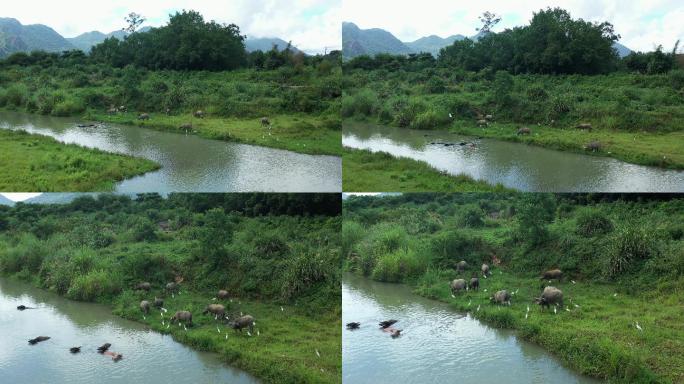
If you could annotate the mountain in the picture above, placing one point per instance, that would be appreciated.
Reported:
(56, 198)
(87, 40)
(266, 43)
(357, 41)
(432, 43)
(15, 37)
(6, 201)
(621, 49)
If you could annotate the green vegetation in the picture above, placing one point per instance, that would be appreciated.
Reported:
(270, 251)
(41, 164)
(621, 256)
(367, 171)
(572, 77)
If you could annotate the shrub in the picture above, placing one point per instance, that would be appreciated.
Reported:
(95, 285)
(591, 222)
(472, 217)
(628, 248)
(397, 266)
(430, 119)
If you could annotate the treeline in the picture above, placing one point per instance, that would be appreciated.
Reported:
(553, 43)
(187, 42)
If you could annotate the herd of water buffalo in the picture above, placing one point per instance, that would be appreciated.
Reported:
(550, 296)
(185, 317)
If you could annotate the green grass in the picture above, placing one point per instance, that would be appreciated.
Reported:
(661, 150)
(298, 133)
(283, 350)
(365, 171)
(38, 163)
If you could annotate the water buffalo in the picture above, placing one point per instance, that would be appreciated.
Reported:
(75, 349)
(145, 306)
(112, 111)
(38, 339)
(353, 325)
(489, 117)
(265, 122)
(461, 266)
(199, 114)
(501, 297)
(458, 285)
(387, 323)
(115, 356)
(216, 309)
(593, 146)
(584, 127)
(524, 131)
(182, 316)
(474, 283)
(246, 321)
(393, 332)
(186, 127)
(23, 307)
(143, 116)
(171, 287)
(222, 294)
(485, 269)
(552, 274)
(550, 296)
(145, 286)
(104, 347)
(482, 123)
(158, 303)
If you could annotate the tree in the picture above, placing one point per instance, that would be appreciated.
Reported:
(134, 21)
(489, 20)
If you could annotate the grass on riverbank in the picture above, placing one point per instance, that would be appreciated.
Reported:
(664, 150)
(621, 256)
(35, 163)
(298, 133)
(285, 347)
(365, 171)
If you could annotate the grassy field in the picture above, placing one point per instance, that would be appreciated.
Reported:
(621, 257)
(635, 117)
(365, 171)
(281, 269)
(298, 133)
(41, 164)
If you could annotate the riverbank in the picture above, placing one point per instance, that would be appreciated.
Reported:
(297, 133)
(41, 164)
(620, 259)
(664, 150)
(366, 171)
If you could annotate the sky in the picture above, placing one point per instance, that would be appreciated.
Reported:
(312, 25)
(643, 24)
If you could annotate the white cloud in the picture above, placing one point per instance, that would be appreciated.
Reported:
(312, 25)
(641, 23)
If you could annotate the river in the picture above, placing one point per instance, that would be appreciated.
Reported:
(189, 162)
(148, 356)
(515, 165)
(438, 345)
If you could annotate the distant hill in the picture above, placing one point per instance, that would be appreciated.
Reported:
(6, 201)
(357, 41)
(87, 40)
(56, 198)
(622, 50)
(15, 37)
(432, 43)
(266, 44)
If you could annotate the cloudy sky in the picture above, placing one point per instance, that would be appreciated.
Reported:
(642, 24)
(312, 25)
